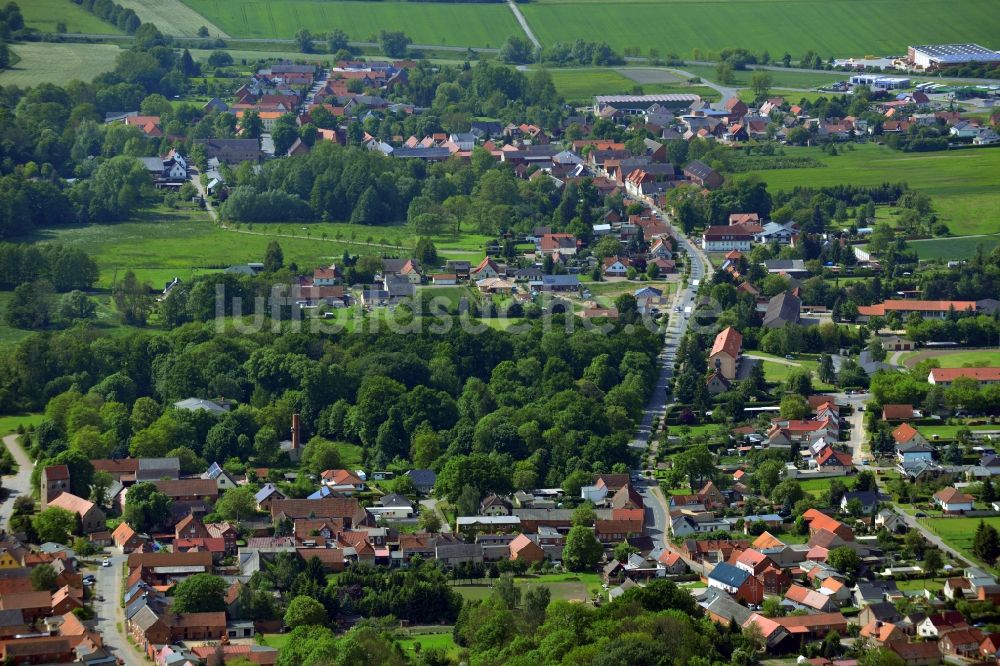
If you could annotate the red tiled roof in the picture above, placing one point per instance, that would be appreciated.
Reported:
(978, 374)
(728, 341)
(952, 495)
(897, 412)
(57, 472)
(904, 433)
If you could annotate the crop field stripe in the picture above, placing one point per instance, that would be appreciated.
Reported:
(831, 29)
(452, 24)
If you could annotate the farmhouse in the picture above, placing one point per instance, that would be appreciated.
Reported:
(724, 238)
(952, 500)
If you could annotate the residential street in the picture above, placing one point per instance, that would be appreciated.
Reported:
(18, 484)
(110, 615)
(659, 526)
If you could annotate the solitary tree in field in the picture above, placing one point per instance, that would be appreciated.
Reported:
(761, 83)
(304, 40)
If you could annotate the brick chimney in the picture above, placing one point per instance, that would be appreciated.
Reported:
(295, 431)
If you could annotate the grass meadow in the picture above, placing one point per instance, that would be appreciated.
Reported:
(964, 184)
(45, 14)
(780, 79)
(958, 532)
(43, 62)
(796, 26)
(484, 25)
(956, 248)
(9, 424)
(183, 243)
(432, 640)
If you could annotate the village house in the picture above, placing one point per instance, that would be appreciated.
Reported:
(92, 519)
(952, 500)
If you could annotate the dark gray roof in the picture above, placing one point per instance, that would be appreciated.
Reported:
(452, 550)
(729, 575)
(782, 309)
(422, 477)
(11, 618)
(561, 280)
(699, 169)
(422, 153)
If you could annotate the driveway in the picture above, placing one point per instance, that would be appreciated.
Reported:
(19, 483)
(431, 504)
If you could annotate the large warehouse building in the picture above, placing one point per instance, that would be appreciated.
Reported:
(935, 56)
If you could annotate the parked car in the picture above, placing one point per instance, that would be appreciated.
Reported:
(106, 562)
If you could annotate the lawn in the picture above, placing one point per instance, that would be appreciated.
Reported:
(777, 371)
(970, 357)
(9, 424)
(441, 640)
(789, 79)
(965, 185)
(796, 26)
(44, 62)
(952, 358)
(918, 584)
(274, 640)
(579, 86)
(45, 14)
(483, 25)
(564, 587)
(172, 17)
(949, 431)
(184, 243)
(820, 487)
(958, 532)
(955, 248)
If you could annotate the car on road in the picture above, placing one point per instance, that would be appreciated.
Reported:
(106, 562)
(89, 579)
(920, 514)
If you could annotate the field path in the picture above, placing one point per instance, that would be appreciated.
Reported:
(524, 23)
(727, 92)
(172, 17)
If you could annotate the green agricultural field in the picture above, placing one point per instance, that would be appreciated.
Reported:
(45, 14)
(43, 62)
(955, 248)
(964, 184)
(484, 25)
(172, 17)
(796, 26)
(958, 532)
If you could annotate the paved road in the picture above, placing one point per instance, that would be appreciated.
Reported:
(19, 483)
(857, 437)
(524, 23)
(727, 92)
(857, 421)
(773, 359)
(110, 616)
(659, 526)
